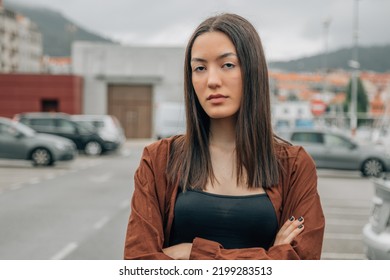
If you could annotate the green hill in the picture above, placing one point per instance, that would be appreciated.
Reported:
(375, 58)
(57, 31)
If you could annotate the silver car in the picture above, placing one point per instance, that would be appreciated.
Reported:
(18, 141)
(376, 233)
(335, 150)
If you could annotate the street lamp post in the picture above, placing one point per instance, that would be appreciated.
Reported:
(326, 24)
(354, 63)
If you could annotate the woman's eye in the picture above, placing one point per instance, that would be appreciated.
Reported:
(228, 65)
(199, 69)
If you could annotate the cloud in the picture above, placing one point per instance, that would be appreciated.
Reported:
(289, 29)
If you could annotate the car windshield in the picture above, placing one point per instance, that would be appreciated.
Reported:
(86, 127)
(100, 125)
(24, 129)
(97, 124)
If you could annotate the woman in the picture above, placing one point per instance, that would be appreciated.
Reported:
(228, 188)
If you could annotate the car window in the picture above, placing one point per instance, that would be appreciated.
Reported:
(24, 129)
(6, 130)
(40, 122)
(98, 124)
(85, 127)
(307, 137)
(337, 141)
(65, 126)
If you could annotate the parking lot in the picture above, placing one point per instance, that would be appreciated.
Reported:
(79, 209)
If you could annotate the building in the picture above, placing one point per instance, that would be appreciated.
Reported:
(291, 114)
(332, 89)
(40, 93)
(57, 65)
(20, 43)
(129, 82)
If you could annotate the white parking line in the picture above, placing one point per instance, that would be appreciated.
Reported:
(348, 211)
(34, 181)
(101, 178)
(50, 176)
(15, 187)
(345, 222)
(126, 153)
(65, 251)
(343, 236)
(99, 224)
(343, 256)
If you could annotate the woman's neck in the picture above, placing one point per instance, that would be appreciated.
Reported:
(223, 133)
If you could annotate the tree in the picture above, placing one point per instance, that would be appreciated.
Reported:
(362, 98)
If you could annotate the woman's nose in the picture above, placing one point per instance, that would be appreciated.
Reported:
(214, 79)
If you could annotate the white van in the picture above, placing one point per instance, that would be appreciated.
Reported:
(170, 119)
(107, 126)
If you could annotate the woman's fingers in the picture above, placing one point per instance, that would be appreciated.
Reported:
(290, 229)
(287, 223)
(290, 237)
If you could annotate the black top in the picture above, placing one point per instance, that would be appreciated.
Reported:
(233, 221)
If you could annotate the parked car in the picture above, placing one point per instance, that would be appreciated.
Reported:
(18, 141)
(60, 124)
(376, 233)
(335, 150)
(108, 127)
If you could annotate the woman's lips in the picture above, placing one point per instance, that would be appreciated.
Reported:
(216, 98)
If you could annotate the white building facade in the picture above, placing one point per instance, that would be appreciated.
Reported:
(129, 82)
(20, 44)
(290, 114)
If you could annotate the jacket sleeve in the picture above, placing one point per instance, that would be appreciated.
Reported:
(203, 249)
(145, 238)
(301, 199)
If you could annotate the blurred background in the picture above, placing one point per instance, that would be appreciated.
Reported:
(85, 85)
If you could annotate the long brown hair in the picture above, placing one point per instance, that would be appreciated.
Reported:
(189, 160)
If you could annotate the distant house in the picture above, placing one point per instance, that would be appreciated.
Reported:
(292, 114)
(20, 43)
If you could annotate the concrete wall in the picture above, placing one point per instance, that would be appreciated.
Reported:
(101, 64)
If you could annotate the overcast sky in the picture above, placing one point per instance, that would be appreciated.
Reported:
(289, 28)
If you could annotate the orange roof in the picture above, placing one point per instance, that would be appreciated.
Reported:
(59, 60)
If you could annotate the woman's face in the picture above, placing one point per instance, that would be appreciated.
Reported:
(216, 75)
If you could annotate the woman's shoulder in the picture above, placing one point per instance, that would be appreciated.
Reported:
(288, 153)
(163, 146)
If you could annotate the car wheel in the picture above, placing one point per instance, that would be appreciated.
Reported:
(93, 148)
(372, 167)
(41, 157)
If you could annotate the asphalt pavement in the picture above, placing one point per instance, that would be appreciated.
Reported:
(79, 210)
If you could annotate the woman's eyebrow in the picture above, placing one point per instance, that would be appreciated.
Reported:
(224, 55)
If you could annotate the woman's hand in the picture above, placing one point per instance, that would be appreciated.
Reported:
(291, 229)
(180, 251)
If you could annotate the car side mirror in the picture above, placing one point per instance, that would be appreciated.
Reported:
(353, 146)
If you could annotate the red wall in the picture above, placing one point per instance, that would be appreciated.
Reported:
(23, 93)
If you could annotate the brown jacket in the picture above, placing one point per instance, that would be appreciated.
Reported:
(152, 210)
